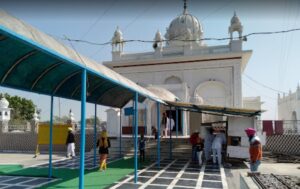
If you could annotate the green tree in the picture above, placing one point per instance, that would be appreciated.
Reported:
(22, 108)
(63, 119)
(91, 120)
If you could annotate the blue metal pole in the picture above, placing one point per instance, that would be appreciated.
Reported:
(120, 135)
(176, 122)
(50, 139)
(95, 136)
(135, 137)
(82, 129)
(158, 131)
(170, 125)
(182, 121)
(145, 120)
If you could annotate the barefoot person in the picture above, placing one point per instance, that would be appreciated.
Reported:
(70, 142)
(103, 143)
(255, 149)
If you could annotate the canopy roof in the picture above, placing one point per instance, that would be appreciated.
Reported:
(217, 110)
(35, 62)
(163, 93)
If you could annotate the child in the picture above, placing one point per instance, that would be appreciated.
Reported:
(142, 147)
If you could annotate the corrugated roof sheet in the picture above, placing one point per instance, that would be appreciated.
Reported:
(218, 110)
(33, 61)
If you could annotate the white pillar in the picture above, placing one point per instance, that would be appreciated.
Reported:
(113, 121)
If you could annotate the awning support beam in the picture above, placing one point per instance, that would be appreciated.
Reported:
(82, 128)
(135, 136)
(158, 133)
(50, 139)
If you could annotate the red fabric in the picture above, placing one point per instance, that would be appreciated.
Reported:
(278, 127)
(255, 151)
(268, 127)
(250, 131)
(194, 138)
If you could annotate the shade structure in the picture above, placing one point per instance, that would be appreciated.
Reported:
(163, 93)
(35, 62)
(217, 110)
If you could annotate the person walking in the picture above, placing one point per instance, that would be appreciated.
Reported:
(142, 144)
(194, 139)
(208, 140)
(170, 125)
(217, 145)
(255, 149)
(70, 142)
(163, 124)
(103, 143)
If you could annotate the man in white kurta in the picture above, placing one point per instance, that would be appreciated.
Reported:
(170, 125)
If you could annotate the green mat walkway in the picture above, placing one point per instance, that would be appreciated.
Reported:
(69, 178)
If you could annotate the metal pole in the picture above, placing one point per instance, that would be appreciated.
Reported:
(176, 122)
(135, 137)
(82, 129)
(158, 132)
(95, 136)
(50, 138)
(145, 120)
(170, 125)
(182, 121)
(120, 136)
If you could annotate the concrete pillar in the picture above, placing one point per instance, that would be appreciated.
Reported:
(3, 126)
(113, 121)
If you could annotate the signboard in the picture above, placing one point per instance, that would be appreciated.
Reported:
(128, 111)
(60, 133)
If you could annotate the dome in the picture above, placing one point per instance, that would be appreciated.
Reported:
(185, 27)
(235, 20)
(118, 36)
(4, 103)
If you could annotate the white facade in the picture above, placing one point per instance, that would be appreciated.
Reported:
(193, 71)
(289, 107)
(4, 110)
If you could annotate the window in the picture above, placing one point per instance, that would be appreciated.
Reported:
(0, 113)
(6, 113)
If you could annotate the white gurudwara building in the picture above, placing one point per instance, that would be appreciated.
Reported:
(289, 108)
(4, 110)
(184, 65)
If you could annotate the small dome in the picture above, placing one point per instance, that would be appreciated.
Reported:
(158, 37)
(4, 103)
(35, 116)
(118, 36)
(198, 100)
(184, 27)
(235, 20)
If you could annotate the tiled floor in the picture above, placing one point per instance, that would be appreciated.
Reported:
(73, 163)
(177, 174)
(18, 182)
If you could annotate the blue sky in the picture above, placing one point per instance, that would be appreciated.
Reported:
(274, 63)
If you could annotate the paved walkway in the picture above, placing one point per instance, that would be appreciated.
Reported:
(19, 182)
(177, 174)
(74, 163)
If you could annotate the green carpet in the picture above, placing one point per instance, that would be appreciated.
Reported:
(69, 178)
